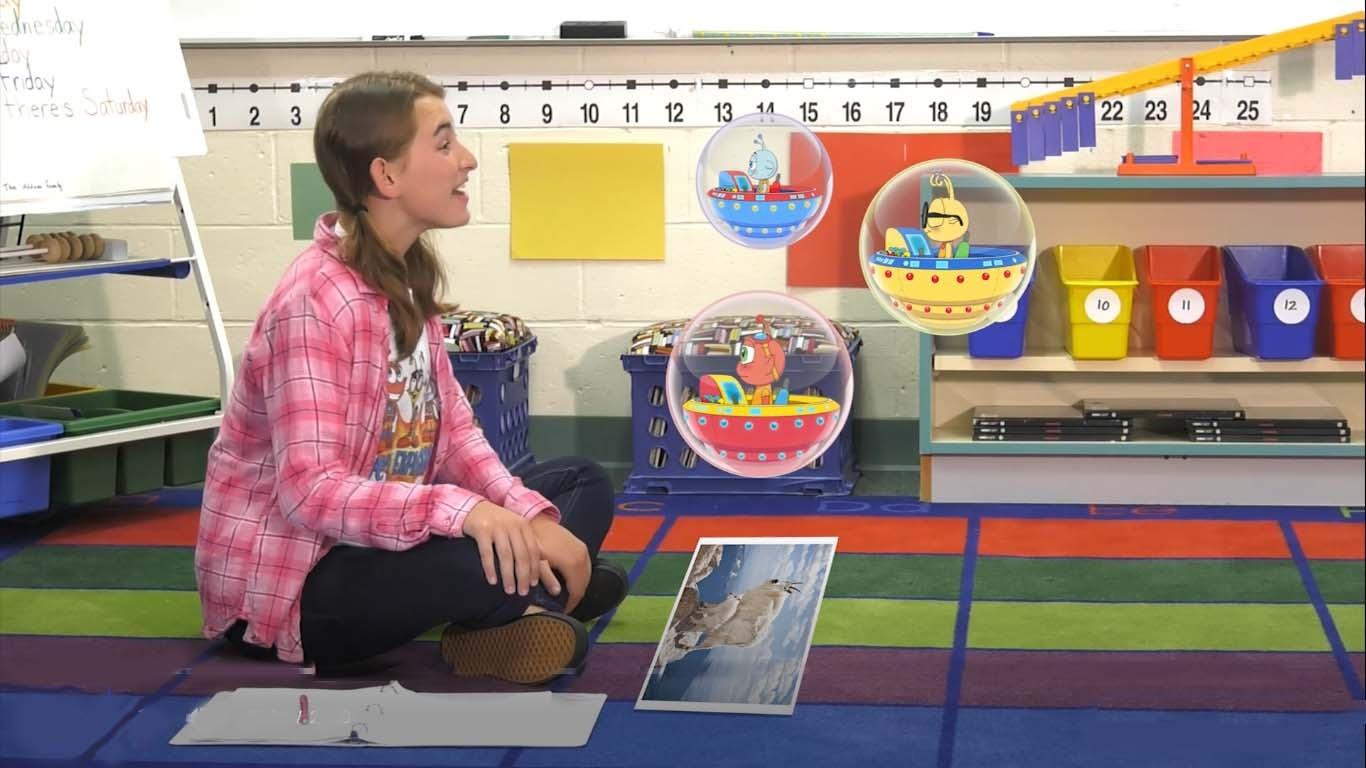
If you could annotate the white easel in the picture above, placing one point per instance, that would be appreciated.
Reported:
(97, 111)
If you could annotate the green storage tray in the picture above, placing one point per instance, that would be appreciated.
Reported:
(142, 467)
(95, 474)
(79, 477)
(187, 457)
(104, 409)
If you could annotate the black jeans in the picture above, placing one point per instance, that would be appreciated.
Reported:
(360, 602)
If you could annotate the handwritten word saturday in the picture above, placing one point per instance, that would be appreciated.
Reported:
(91, 104)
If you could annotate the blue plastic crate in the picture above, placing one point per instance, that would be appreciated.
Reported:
(24, 484)
(1003, 338)
(1273, 296)
(498, 385)
(662, 462)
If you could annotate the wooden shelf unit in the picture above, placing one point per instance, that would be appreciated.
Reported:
(1140, 211)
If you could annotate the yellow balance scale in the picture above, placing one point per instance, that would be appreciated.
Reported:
(945, 295)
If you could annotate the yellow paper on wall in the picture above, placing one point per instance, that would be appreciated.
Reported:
(587, 201)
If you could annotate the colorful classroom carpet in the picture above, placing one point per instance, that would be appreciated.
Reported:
(950, 635)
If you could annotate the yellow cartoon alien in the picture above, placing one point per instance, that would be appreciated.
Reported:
(945, 220)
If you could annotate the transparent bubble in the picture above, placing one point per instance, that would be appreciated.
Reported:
(764, 180)
(760, 384)
(948, 247)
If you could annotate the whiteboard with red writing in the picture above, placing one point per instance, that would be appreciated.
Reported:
(94, 99)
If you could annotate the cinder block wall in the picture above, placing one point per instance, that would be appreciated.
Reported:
(148, 333)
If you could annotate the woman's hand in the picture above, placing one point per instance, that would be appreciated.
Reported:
(507, 533)
(565, 553)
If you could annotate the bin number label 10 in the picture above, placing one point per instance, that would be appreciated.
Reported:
(1102, 306)
(1292, 306)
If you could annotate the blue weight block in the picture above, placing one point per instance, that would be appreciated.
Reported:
(1019, 138)
(1086, 120)
(1068, 118)
(1052, 122)
(1035, 127)
(1343, 63)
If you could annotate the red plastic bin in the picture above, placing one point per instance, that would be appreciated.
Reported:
(1341, 330)
(1183, 284)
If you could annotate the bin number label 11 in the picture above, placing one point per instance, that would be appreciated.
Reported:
(1292, 306)
(1186, 306)
(1102, 306)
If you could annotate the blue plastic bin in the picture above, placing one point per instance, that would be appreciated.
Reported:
(24, 483)
(662, 462)
(1273, 295)
(498, 385)
(1003, 338)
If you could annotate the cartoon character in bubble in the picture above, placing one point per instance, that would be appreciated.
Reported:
(945, 220)
(763, 167)
(762, 360)
(761, 363)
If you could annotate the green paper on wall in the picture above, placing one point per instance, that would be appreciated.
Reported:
(587, 201)
(309, 198)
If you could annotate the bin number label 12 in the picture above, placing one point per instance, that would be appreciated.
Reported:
(1292, 306)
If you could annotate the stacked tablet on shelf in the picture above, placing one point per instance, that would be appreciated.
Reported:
(1158, 410)
(1193, 419)
(1043, 422)
(1225, 420)
(1307, 424)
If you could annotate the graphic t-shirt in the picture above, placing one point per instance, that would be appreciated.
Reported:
(411, 418)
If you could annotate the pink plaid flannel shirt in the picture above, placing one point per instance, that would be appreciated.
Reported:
(288, 476)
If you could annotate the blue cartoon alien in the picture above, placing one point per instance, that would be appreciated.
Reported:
(763, 167)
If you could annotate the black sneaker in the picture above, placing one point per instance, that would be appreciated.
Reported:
(607, 587)
(531, 649)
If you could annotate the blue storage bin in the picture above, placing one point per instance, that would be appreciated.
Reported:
(24, 484)
(498, 385)
(1273, 295)
(662, 462)
(1003, 338)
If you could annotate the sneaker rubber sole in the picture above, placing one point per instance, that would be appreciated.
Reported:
(531, 649)
(607, 587)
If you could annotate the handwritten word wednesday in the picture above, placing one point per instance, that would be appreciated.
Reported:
(12, 25)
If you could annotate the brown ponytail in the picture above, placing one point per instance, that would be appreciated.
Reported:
(372, 115)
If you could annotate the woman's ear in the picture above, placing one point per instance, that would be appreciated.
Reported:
(383, 178)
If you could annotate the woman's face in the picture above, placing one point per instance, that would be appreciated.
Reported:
(434, 169)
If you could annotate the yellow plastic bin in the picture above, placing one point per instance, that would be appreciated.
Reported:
(1099, 282)
(54, 389)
